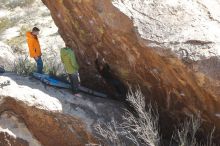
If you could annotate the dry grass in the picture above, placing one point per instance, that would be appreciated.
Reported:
(23, 66)
(185, 135)
(5, 23)
(143, 129)
(138, 130)
(11, 4)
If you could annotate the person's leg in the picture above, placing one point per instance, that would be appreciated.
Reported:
(39, 65)
(75, 81)
(36, 65)
(71, 81)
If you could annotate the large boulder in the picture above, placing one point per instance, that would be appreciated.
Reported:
(189, 28)
(7, 57)
(97, 26)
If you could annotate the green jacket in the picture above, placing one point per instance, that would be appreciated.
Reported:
(69, 60)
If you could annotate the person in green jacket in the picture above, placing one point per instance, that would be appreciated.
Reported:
(71, 66)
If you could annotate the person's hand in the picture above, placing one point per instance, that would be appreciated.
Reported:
(36, 58)
(103, 60)
(97, 55)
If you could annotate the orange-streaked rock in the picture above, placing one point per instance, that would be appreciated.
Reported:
(93, 26)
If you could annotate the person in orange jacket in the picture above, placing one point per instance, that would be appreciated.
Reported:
(34, 48)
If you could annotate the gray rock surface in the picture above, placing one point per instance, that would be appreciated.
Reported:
(30, 105)
(191, 26)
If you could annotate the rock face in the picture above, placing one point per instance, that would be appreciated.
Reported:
(211, 67)
(6, 56)
(97, 26)
(192, 25)
(31, 114)
(14, 132)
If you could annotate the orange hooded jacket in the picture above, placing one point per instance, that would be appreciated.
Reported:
(34, 45)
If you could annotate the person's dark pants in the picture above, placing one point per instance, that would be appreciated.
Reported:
(2, 70)
(39, 65)
(75, 81)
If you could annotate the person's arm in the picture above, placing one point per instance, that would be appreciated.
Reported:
(97, 65)
(73, 60)
(39, 48)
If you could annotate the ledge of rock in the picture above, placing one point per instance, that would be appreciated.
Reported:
(34, 114)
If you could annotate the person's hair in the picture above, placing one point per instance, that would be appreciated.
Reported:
(35, 29)
(67, 45)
